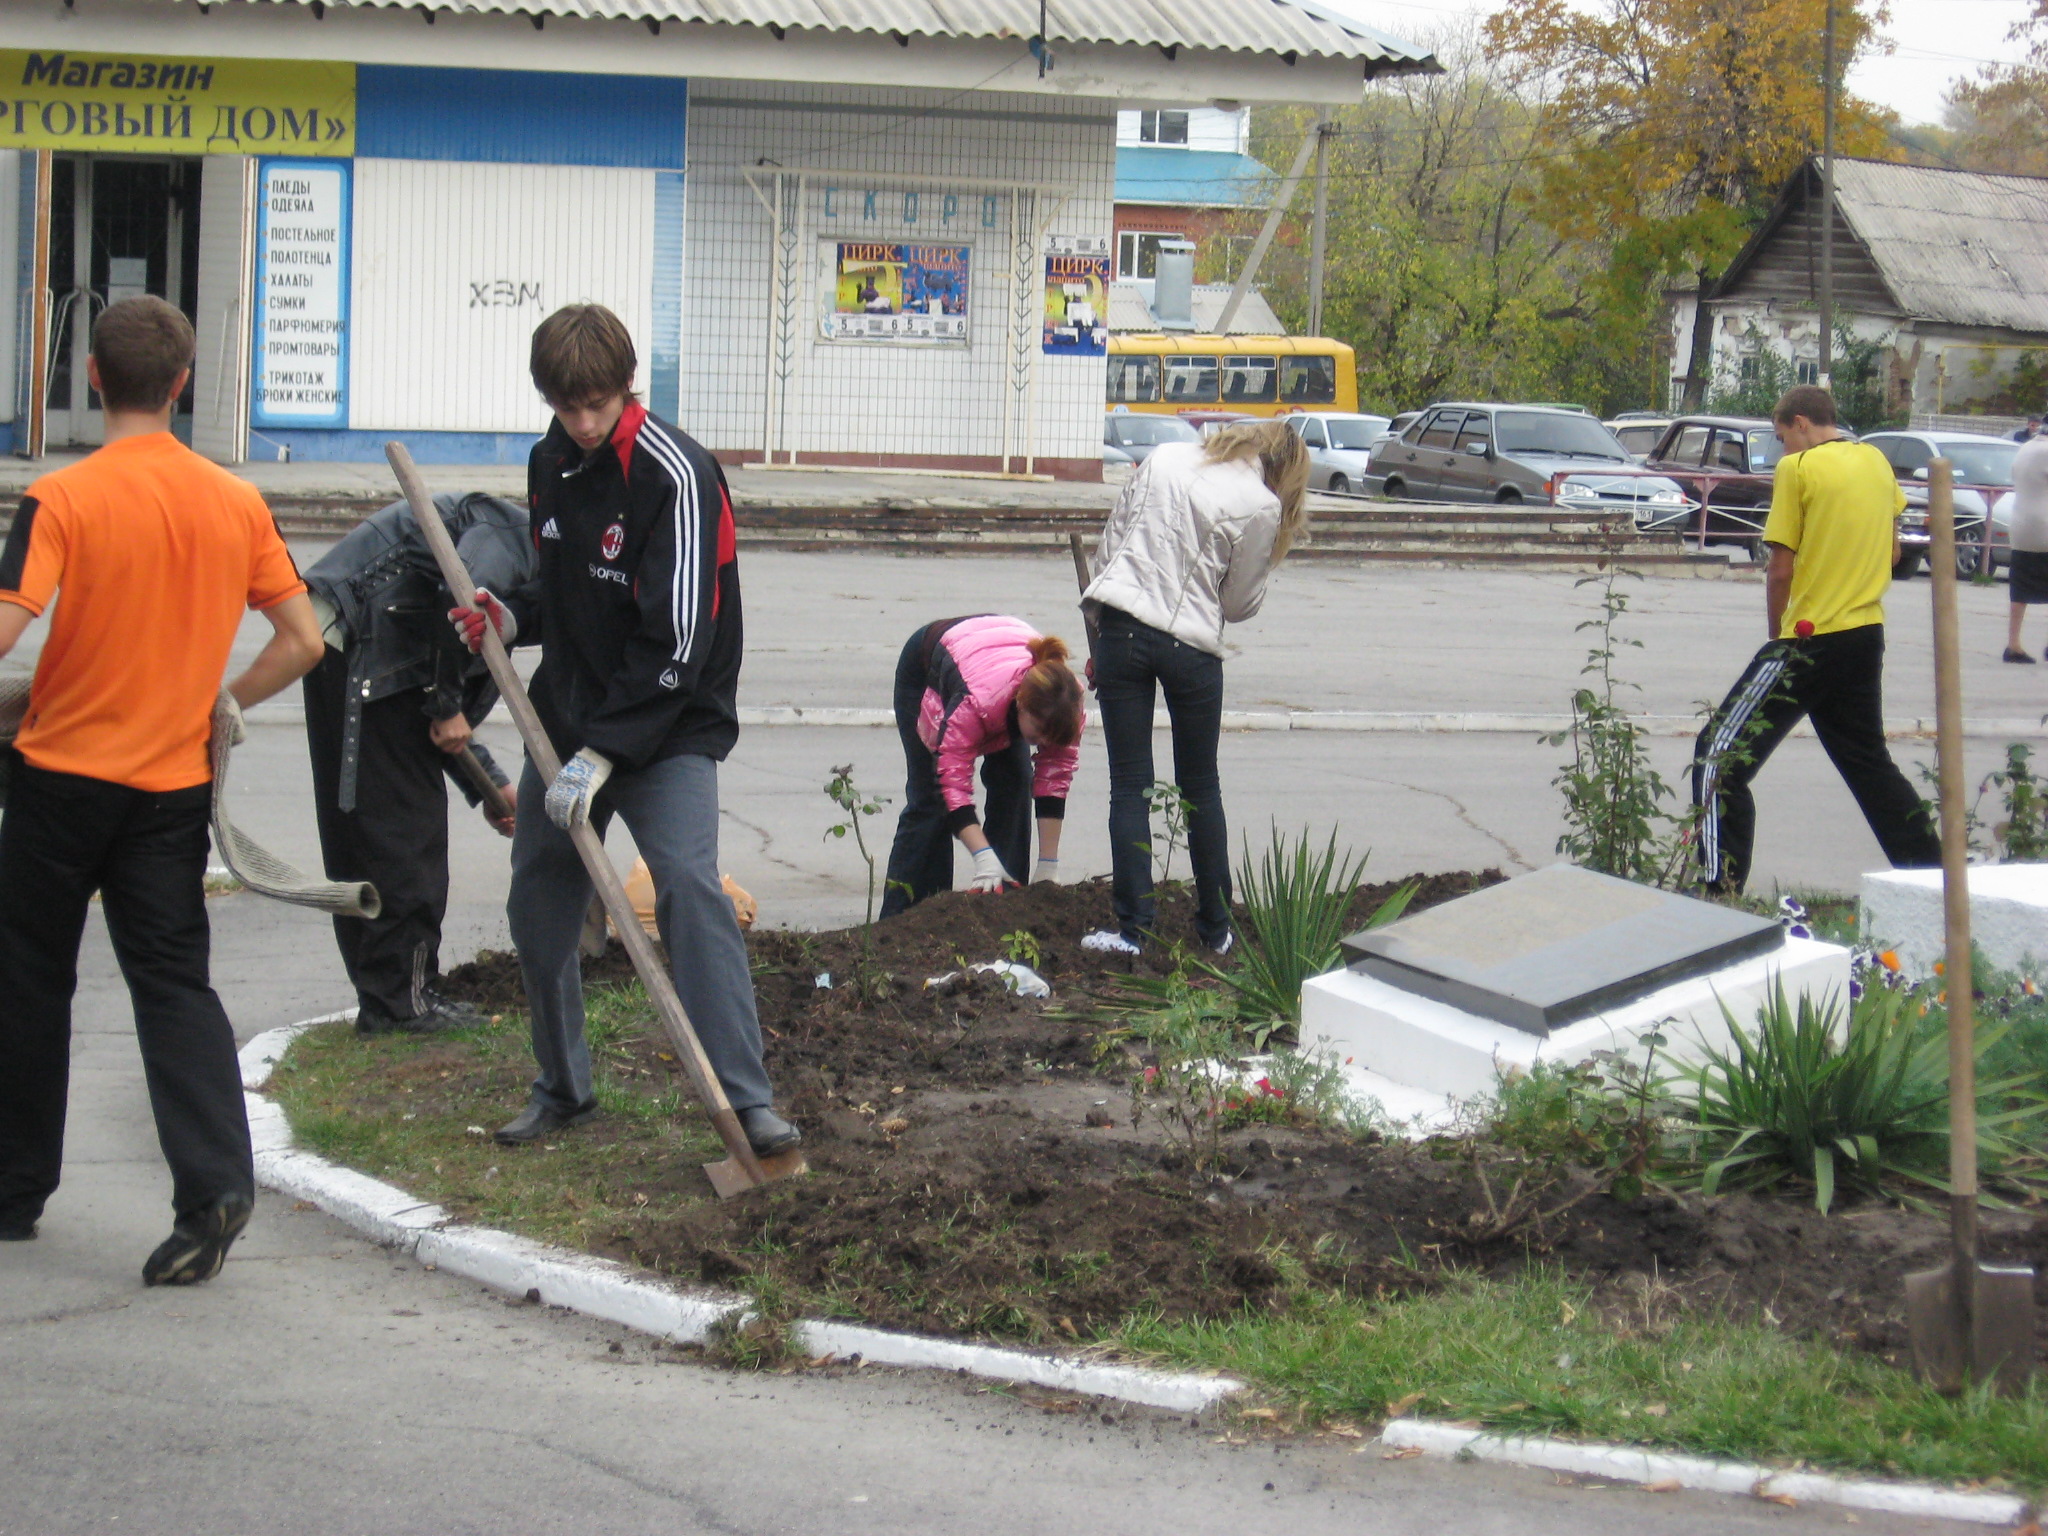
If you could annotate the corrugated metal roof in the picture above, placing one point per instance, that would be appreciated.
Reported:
(1958, 246)
(1303, 27)
(1130, 309)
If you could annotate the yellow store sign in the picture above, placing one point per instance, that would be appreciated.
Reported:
(130, 104)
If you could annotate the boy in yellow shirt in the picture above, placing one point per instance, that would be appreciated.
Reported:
(1831, 538)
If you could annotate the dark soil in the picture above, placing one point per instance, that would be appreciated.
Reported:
(974, 1169)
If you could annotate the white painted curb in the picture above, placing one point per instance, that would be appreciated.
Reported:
(1629, 1464)
(600, 1288)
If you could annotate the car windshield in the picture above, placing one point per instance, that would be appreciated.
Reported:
(1156, 429)
(1542, 432)
(1981, 463)
(1764, 448)
(1355, 431)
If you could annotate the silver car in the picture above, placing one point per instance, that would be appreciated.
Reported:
(1983, 481)
(1339, 447)
(1520, 454)
(1127, 436)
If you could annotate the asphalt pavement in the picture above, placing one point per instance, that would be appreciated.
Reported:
(320, 1385)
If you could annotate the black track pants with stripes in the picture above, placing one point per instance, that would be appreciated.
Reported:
(1836, 681)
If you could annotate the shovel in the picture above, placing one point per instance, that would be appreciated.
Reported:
(743, 1170)
(1968, 1322)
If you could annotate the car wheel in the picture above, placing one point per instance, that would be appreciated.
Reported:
(1909, 564)
(1340, 486)
(1509, 497)
(1966, 561)
(1394, 490)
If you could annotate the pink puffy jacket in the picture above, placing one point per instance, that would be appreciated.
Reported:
(965, 715)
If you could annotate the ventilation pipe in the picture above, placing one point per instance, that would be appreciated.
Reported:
(1173, 289)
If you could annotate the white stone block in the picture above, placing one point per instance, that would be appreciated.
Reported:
(1901, 910)
(1422, 1058)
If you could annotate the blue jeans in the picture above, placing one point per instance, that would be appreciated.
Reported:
(1133, 663)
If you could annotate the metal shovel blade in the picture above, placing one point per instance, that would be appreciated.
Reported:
(728, 1178)
(1970, 1323)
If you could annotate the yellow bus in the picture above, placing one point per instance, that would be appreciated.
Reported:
(1255, 375)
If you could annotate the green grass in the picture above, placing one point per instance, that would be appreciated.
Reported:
(1535, 1356)
(410, 1110)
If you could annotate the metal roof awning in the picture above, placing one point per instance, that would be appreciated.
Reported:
(1288, 28)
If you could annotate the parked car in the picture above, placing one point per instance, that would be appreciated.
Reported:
(1127, 437)
(1639, 431)
(1983, 469)
(1511, 454)
(1339, 447)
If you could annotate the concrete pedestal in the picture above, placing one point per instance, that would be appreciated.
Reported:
(1423, 1059)
(1900, 910)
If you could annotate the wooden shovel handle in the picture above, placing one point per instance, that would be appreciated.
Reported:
(610, 889)
(1955, 862)
(495, 798)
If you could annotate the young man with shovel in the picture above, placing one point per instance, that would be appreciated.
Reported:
(1829, 540)
(636, 606)
(155, 555)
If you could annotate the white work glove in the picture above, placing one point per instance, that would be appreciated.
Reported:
(230, 710)
(989, 874)
(469, 622)
(575, 787)
(1047, 869)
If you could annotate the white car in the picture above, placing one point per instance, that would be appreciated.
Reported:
(1983, 478)
(1339, 447)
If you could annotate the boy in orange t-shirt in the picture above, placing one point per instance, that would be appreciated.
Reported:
(156, 554)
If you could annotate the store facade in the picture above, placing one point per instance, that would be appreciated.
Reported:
(816, 270)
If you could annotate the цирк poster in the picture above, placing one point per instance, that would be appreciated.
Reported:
(1076, 295)
(898, 291)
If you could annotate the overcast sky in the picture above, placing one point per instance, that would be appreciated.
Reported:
(1936, 42)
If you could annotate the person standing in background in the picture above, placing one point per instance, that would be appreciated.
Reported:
(2028, 521)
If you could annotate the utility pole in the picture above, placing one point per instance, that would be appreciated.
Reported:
(1281, 199)
(1319, 229)
(1827, 201)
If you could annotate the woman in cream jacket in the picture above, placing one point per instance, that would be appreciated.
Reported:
(1187, 550)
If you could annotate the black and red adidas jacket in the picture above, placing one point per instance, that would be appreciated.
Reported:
(636, 598)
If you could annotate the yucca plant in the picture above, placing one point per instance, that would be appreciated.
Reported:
(1297, 903)
(1800, 1099)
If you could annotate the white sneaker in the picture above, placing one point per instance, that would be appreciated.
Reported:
(1108, 941)
(1229, 943)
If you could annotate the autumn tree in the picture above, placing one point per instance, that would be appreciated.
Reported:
(1999, 121)
(1440, 273)
(1664, 127)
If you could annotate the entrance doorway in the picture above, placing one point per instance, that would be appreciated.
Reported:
(119, 226)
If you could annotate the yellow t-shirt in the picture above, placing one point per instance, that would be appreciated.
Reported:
(1835, 506)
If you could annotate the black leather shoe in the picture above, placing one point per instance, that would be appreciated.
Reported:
(538, 1120)
(17, 1229)
(767, 1132)
(438, 1018)
(2019, 656)
(199, 1243)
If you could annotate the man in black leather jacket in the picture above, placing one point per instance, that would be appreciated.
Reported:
(396, 698)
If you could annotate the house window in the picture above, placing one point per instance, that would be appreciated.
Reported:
(1137, 251)
(1807, 371)
(1162, 127)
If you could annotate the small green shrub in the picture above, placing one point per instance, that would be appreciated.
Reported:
(1297, 902)
(1800, 1099)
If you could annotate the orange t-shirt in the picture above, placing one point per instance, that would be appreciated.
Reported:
(156, 553)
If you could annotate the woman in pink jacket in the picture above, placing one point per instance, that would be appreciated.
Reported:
(989, 689)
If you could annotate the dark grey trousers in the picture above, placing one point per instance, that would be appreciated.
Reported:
(671, 808)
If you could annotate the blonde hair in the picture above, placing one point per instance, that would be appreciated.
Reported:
(1283, 463)
(1050, 693)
